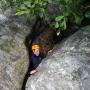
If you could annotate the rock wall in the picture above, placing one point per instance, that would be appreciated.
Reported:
(13, 54)
(67, 68)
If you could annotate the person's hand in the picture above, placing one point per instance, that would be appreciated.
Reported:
(33, 72)
(49, 52)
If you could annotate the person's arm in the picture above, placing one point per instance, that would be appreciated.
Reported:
(49, 52)
(33, 65)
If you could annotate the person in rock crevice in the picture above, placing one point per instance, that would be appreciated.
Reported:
(35, 58)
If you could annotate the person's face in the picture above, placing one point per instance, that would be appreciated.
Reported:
(36, 52)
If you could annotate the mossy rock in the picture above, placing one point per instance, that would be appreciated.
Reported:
(7, 46)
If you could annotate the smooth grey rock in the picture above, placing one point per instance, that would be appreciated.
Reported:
(67, 68)
(13, 54)
(2, 18)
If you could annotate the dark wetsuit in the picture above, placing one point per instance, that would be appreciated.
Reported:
(35, 60)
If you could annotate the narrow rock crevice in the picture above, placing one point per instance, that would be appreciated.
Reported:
(37, 29)
(41, 30)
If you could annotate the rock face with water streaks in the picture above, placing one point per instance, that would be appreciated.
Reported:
(68, 67)
(13, 55)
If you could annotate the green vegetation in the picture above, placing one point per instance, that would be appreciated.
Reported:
(7, 3)
(32, 7)
(69, 11)
(87, 14)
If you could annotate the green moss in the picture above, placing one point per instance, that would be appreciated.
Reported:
(6, 46)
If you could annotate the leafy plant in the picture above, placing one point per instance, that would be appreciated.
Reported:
(2, 3)
(87, 14)
(60, 22)
(32, 7)
(69, 11)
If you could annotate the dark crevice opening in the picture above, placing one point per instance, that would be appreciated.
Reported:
(37, 29)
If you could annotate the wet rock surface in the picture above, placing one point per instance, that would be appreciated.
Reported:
(13, 54)
(67, 68)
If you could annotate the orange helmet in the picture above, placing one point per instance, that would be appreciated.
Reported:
(35, 47)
